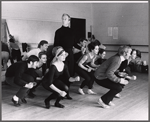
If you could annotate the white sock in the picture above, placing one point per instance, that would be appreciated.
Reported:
(15, 98)
(90, 90)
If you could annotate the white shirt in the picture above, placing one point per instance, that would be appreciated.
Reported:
(34, 52)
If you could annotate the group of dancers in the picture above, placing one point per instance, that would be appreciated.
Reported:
(86, 59)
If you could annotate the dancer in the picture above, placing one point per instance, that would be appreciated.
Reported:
(5, 54)
(15, 76)
(42, 47)
(85, 70)
(39, 73)
(53, 81)
(80, 49)
(137, 64)
(14, 49)
(105, 76)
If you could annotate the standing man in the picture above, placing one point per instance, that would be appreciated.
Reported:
(64, 37)
(105, 76)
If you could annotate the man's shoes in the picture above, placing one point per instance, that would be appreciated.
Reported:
(59, 105)
(118, 95)
(111, 104)
(90, 91)
(81, 91)
(31, 95)
(100, 102)
(24, 100)
(47, 104)
(16, 103)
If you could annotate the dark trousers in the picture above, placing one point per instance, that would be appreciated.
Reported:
(16, 54)
(70, 61)
(115, 88)
(88, 77)
(23, 91)
(34, 73)
(60, 85)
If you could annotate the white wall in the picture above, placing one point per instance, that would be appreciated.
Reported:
(131, 20)
(44, 12)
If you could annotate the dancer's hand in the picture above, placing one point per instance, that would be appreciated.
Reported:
(29, 85)
(77, 78)
(34, 83)
(131, 78)
(63, 93)
(89, 69)
(123, 81)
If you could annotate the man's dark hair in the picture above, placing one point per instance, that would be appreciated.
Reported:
(42, 53)
(32, 58)
(82, 39)
(42, 43)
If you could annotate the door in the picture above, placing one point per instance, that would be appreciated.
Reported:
(79, 27)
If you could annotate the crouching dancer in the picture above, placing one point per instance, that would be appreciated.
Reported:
(105, 76)
(53, 80)
(15, 76)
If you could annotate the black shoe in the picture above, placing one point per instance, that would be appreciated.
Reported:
(33, 90)
(31, 95)
(59, 105)
(16, 103)
(68, 97)
(47, 104)
(24, 100)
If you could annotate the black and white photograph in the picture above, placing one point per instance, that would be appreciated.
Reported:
(74, 60)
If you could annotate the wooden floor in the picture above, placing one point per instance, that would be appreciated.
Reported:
(133, 105)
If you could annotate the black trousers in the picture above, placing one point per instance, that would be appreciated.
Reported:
(88, 77)
(16, 54)
(115, 88)
(23, 91)
(60, 85)
(34, 73)
(70, 61)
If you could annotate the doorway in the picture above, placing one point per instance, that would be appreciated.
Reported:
(79, 28)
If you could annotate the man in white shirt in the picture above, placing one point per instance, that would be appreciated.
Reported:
(42, 46)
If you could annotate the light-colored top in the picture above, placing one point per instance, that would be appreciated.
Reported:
(33, 52)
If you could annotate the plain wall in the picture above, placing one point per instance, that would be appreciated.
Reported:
(19, 15)
(131, 20)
